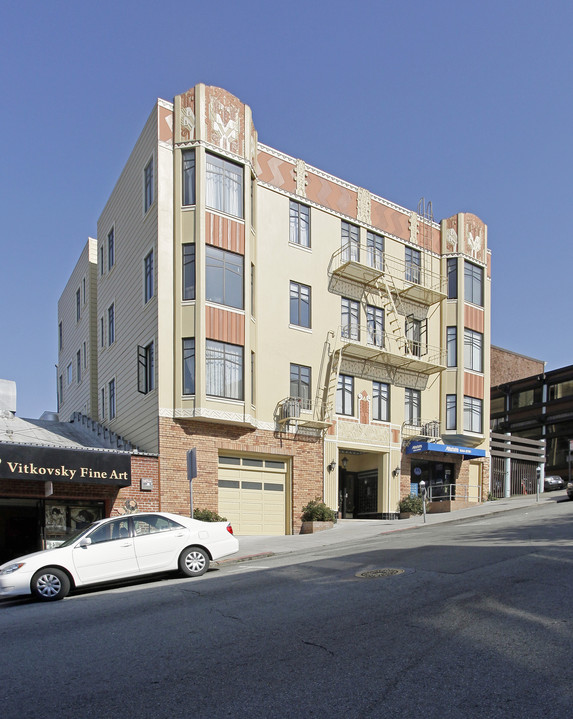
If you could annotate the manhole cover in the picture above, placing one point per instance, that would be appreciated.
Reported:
(374, 573)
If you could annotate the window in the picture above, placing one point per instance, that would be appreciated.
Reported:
(375, 325)
(111, 324)
(84, 290)
(85, 356)
(473, 284)
(350, 242)
(452, 346)
(451, 411)
(60, 336)
(69, 373)
(253, 378)
(102, 403)
(350, 319)
(224, 277)
(101, 255)
(111, 249)
(414, 331)
(148, 277)
(78, 305)
(473, 412)
(299, 227)
(473, 350)
(78, 366)
(412, 403)
(561, 389)
(452, 278)
(375, 250)
(252, 290)
(118, 529)
(146, 368)
(300, 385)
(189, 366)
(224, 370)
(188, 177)
(299, 305)
(101, 332)
(345, 395)
(413, 265)
(111, 388)
(380, 401)
(224, 186)
(148, 186)
(60, 389)
(525, 398)
(188, 272)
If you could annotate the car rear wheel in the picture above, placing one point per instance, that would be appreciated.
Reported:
(50, 584)
(194, 562)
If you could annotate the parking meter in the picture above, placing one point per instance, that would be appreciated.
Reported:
(423, 491)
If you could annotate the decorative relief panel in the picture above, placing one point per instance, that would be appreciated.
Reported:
(413, 227)
(474, 231)
(225, 120)
(364, 206)
(300, 177)
(363, 433)
(187, 119)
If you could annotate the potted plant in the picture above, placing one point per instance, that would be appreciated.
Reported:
(316, 516)
(410, 506)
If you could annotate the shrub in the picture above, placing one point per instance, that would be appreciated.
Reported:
(317, 511)
(412, 504)
(207, 515)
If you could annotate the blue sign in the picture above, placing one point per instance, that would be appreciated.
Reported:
(415, 447)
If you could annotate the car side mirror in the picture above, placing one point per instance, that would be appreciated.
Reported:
(85, 542)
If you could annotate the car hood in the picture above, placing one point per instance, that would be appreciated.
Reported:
(27, 557)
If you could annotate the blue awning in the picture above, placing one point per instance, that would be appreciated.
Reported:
(416, 447)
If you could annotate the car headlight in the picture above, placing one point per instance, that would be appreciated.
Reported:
(11, 568)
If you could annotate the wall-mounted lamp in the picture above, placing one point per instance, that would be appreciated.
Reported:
(331, 467)
(396, 472)
(344, 462)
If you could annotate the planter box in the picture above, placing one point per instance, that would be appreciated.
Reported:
(407, 515)
(312, 527)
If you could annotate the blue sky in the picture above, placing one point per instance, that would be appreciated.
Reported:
(467, 104)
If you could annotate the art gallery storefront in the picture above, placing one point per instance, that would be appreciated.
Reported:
(48, 493)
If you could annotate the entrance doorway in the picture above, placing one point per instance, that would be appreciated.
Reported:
(20, 522)
(358, 494)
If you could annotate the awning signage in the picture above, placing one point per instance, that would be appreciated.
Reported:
(54, 464)
(415, 447)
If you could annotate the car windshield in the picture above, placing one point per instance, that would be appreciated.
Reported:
(76, 535)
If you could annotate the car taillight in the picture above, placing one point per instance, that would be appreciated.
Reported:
(229, 529)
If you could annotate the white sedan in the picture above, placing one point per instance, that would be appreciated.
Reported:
(119, 548)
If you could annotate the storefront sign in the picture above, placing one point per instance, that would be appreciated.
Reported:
(416, 447)
(53, 464)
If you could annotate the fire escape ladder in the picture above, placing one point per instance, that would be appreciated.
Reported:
(393, 325)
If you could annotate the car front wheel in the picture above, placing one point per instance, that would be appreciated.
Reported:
(194, 562)
(50, 584)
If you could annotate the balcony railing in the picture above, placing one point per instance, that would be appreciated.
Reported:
(367, 265)
(303, 412)
(428, 429)
(370, 343)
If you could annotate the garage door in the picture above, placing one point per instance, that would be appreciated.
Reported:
(252, 494)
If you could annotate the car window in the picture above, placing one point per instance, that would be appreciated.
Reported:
(153, 523)
(118, 529)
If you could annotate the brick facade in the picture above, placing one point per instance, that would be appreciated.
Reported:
(508, 366)
(304, 456)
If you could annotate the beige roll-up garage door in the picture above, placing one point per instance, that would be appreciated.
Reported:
(252, 494)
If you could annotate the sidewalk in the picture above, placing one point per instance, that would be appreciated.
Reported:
(352, 530)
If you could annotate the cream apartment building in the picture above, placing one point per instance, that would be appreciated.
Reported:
(307, 337)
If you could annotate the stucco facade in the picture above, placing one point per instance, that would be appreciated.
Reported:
(299, 331)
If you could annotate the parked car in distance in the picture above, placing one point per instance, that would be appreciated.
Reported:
(553, 482)
(119, 548)
(570, 490)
